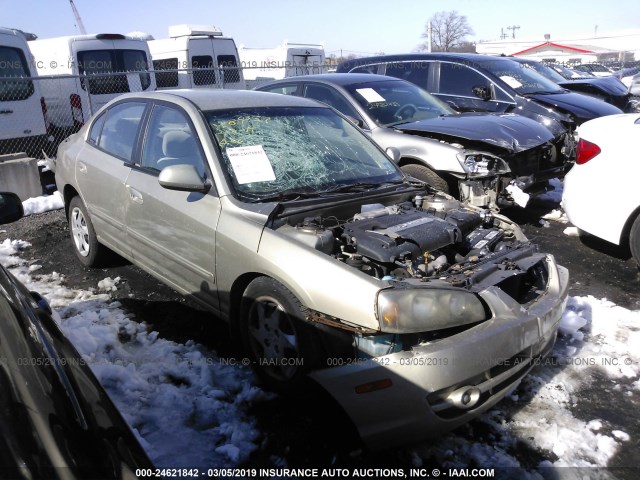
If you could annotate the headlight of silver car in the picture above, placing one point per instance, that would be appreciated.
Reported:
(482, 165)
(426, 309)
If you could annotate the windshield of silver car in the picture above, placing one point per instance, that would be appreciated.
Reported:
(295, 152)
(394, 102)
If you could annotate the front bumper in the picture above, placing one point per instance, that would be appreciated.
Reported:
(423, 389)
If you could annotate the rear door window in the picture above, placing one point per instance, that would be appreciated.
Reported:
(102, 68)
(414, 72)
(229, 67)
(120, 130)
(166, 79)
(13, 70)
(203, 73)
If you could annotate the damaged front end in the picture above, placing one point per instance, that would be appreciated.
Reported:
(466, 306)
(501, 175)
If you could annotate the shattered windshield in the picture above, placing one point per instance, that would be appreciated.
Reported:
(521, 78)
(272, 151)
(394, 102)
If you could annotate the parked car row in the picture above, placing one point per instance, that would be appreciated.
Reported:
(481, 158)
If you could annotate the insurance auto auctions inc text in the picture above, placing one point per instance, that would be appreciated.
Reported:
(375, 473)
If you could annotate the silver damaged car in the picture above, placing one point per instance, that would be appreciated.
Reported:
(276, 213)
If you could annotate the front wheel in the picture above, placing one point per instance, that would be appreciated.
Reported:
(424, 173)
(83, 236)
(280, 344)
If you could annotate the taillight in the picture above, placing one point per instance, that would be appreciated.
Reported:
(586, 151)
(74, 98)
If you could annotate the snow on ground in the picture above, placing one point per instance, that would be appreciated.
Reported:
(185, 406)
(190, 410)
(43, 204)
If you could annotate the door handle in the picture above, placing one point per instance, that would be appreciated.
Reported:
(134, 195)
(82, 168)
(5, 112)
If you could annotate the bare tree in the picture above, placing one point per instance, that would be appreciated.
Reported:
(449, 30)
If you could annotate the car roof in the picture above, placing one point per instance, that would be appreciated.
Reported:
(211, 99)
(455, 57)
(340, 79)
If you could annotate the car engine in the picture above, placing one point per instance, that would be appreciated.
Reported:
(430, 236)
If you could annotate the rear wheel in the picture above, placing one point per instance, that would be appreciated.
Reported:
(281, 346)
(634, 240)
(83, 236)
(424, 173)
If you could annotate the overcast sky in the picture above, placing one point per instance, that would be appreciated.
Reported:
(353, 26)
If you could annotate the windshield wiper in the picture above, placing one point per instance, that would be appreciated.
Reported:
(361, 186)
(284, 196)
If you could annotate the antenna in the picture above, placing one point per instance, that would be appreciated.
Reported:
(79, 23)
(513, 29)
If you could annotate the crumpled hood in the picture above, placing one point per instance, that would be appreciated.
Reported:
(514, 133)
(582, 106)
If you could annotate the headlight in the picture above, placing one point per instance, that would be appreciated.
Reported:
(426, 309)
(482, 165)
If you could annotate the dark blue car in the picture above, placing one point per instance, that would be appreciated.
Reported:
(471, 82)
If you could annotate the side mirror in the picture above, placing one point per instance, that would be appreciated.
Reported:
(184, 178)
(393, 153)
(10, 207)
(482, 91)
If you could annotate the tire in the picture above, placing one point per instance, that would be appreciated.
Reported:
(634, 240)
(281, 346)
(83, 236)
(427, 175)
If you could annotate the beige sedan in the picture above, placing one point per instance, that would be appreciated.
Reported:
(277, 214)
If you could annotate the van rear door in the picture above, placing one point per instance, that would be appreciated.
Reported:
(113, 67)
(21, 112)
(215, 63)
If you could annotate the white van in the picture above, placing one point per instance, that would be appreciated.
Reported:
(196, 56)
(23, 119)
(83, 72)
(286, 60)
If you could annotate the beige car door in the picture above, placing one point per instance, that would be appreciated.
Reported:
(173, 233)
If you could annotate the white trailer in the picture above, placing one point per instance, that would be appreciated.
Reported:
(286, 60)
(84, 72)
(196, 56)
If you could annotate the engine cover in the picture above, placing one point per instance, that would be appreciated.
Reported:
(409, 232)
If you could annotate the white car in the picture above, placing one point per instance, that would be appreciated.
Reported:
(602, 153)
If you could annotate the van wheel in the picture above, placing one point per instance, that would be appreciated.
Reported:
(424, 173)
(280, 345)
(634, 240)
(83, 236)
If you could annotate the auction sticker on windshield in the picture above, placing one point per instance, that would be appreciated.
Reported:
(250, 164)
(370, 95)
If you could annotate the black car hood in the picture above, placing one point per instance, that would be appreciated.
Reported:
(514, 133)
(581, 106)
(610, 85)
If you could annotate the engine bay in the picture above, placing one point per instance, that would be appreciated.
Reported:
(427, 236)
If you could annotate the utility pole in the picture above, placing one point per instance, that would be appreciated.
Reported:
(502, 34)
(513, 29)
(430, 37)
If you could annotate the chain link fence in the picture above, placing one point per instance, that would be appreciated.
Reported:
(38, 113)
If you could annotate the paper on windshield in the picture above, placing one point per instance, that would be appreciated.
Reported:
(250, 164)
(512, 82)
(370, 95)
